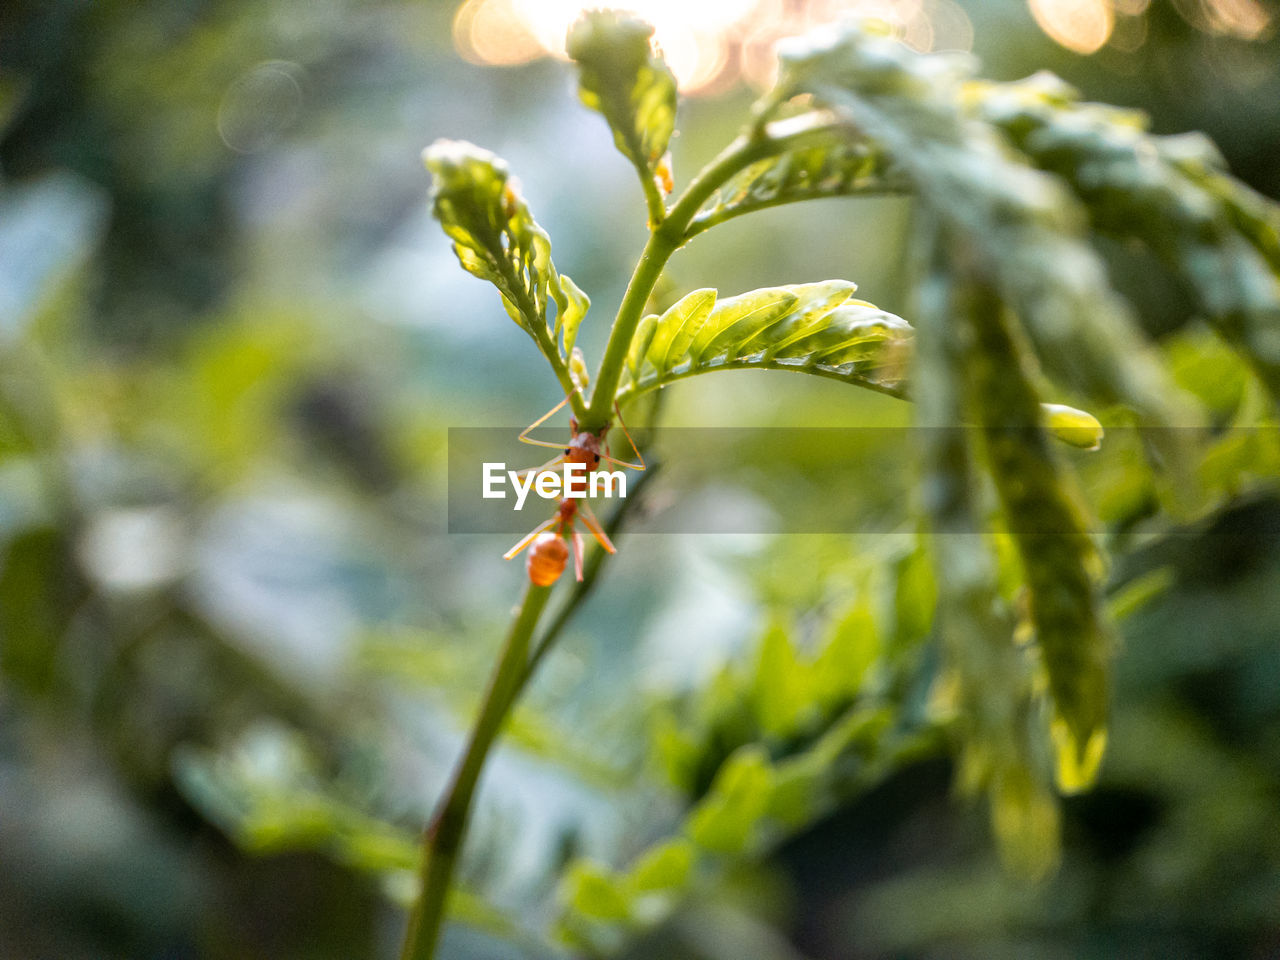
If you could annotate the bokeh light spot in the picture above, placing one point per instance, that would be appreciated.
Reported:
(709, 44)
(1082, 26)
(259, 105)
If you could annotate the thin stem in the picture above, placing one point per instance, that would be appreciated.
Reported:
(652, 196)
(669, 236)
(442, 840)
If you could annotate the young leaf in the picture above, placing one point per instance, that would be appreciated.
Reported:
(594, 892)
(738, 319)
(631, 86)
(664, 867)
(571, 306)
(813, 328)
(677, 327)
(495, 237)
(1079, 428)
(639, 349)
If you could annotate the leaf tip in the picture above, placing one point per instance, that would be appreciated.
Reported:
(1078, 760)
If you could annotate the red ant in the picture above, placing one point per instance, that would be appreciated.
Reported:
(549, 554)
(584, 448)
(547, 558)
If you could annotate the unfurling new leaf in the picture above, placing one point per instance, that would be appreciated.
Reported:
(624, 79)
(479, 205)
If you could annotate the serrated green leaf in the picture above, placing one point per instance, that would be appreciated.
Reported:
(1170, 193)
(805, 327)
(625, 80)
(855, 331)
(1047, 521)
(986, 686)
(814, 302)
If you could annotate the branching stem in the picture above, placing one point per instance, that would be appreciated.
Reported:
(669, 236)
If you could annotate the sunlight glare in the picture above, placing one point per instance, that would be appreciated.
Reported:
(1082, 26)
(709, 44)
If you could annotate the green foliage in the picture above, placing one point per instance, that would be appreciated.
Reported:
(622, 77)
(1061, 566)
(987, 683)
(268, 793)
(1020, 226)
(191, 467)
(1078, 428)
(812, 328)
(769, 746)
(1170, 193)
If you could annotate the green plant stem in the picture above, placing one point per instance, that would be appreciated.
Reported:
(669, 236)
(652, 196)
(443, 837)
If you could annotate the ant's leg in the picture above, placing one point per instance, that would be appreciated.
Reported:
(528, 539)
(546, 466)
(577, 556)
(592, 524)
(627, 434)
(524, 434)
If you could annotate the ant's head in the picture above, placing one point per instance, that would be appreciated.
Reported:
(584, 448)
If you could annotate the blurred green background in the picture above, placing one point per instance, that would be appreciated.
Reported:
(238, 649)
